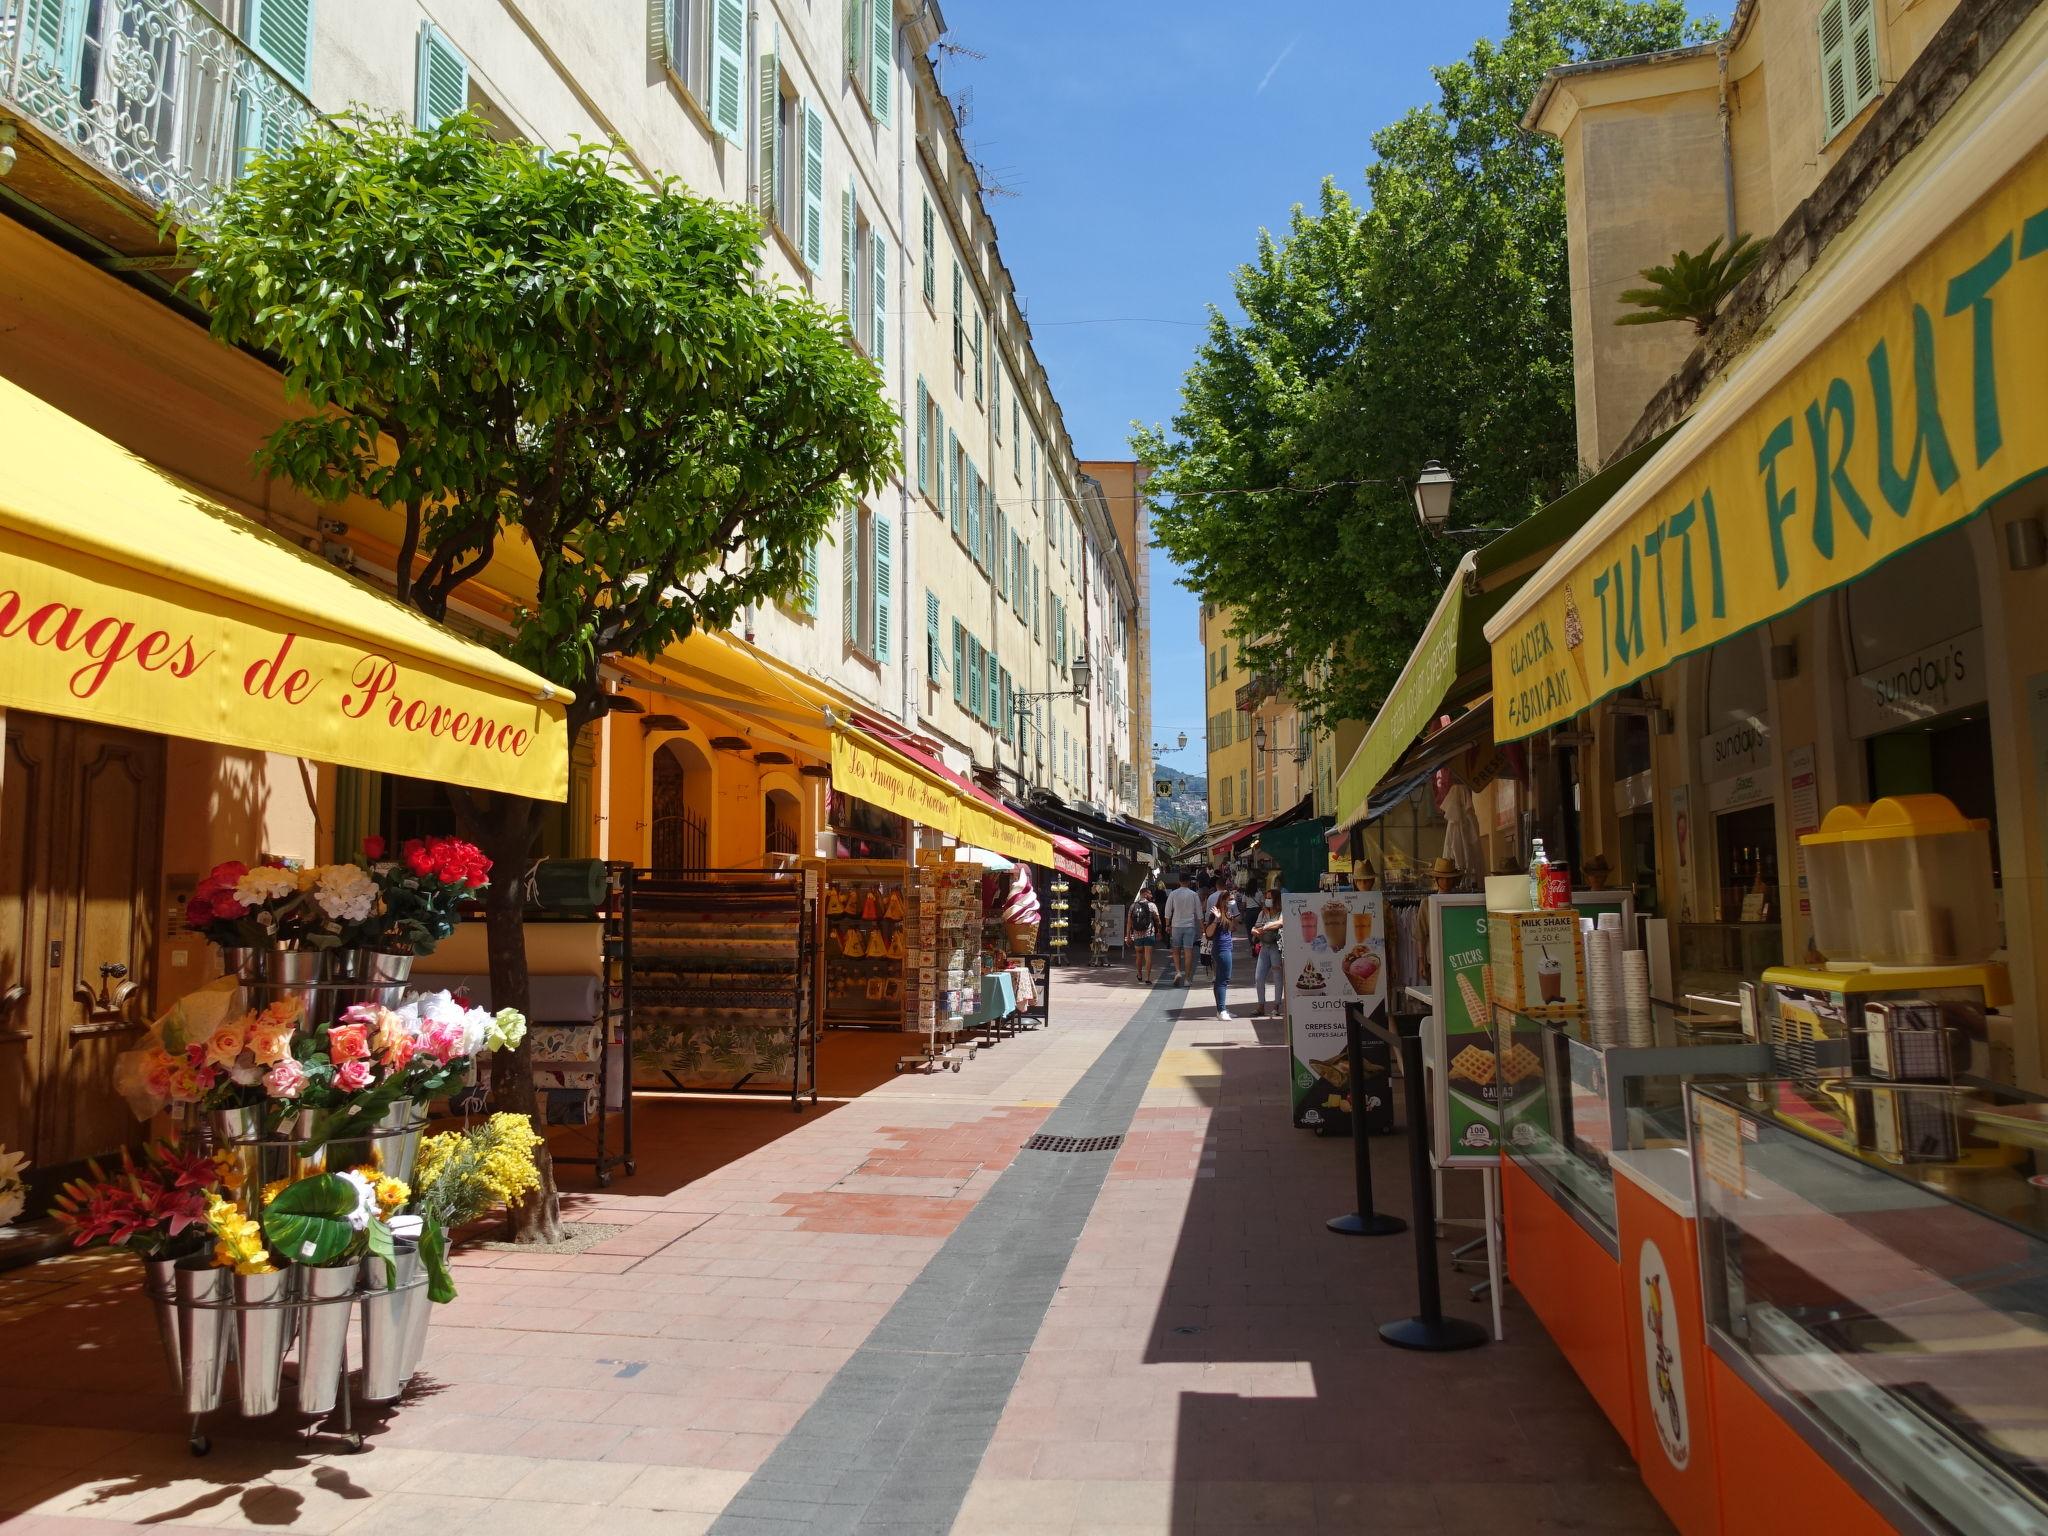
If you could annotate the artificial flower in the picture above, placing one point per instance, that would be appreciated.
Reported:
(366, 1200)
(345, 893)
(507, 1029)
(352, 1076)
(228, 1170)
(274, 1188)
(286, 1080)
(264, 884)
(373, 848)
(224, 1045)
(238, 1241)
(348, 1042)
(391, 1193)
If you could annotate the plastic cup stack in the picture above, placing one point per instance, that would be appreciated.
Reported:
(1604, 1005)
(1635, 992)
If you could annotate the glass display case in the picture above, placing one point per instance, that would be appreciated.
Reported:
(1875, 1260)
(1566, 1104)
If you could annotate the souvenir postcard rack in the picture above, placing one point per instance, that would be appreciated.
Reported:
(712, 972)
(869, 928)
(946, 959)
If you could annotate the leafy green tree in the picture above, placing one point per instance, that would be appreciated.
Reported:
(577, 388)
(1433, 322)
(1691, 286)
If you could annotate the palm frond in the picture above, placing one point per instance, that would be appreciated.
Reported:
(1692, 285)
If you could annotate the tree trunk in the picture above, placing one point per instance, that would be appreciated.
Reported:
(505, 826)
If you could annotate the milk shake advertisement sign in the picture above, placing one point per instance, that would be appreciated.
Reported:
(1334, 950)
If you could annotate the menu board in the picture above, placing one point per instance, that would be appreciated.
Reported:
(1333, 947)
(1466, 1109)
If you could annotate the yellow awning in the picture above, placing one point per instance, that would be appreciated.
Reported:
(722, 670)
(1902, 390)
(128, 598)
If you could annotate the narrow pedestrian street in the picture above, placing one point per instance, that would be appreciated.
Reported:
(889, 1315)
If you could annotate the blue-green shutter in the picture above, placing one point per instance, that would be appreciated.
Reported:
(442, 89)
(932, 659)
(885, 588)
(974, 677)
(1002, 543)
(768, 148)
(954, 477)
(849, 262)
(959, 663)
(54, 37)
(281, 32)
(882, 79)
(814, 187)
(977, 354)
(931, 265)
(849, 575)
(924, 438)
(1016, 440)
(959, 320)
(729, 70)
(810, 590)
(974, 513)
(880, 304)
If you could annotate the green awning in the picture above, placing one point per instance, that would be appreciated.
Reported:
(1453, 644)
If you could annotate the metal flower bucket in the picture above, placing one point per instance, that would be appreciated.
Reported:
(160, 1283)
(261, 1320)
(323, 1331)
(389, 1321)
(289, 973)
(241, 1132)
(370, 975)
(398, 1141)
(202, 1290)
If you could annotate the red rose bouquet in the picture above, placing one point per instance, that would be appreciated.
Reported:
(423, 890)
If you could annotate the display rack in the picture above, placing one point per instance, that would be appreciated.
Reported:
(869, 931)
(946, 948)
(711, 973)
(566, 1057)
(1059, 926)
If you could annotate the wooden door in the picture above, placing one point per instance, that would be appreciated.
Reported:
(81, 833)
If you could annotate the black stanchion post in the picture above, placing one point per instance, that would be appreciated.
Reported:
(1365, 1221)
(1429, 1329)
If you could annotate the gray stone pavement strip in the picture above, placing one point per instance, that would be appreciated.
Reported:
(893, 1442)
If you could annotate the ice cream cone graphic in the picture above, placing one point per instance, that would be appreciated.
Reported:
(1575, 643)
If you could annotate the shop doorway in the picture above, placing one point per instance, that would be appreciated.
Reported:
(678, 833)
(782, 821)
(81, 837)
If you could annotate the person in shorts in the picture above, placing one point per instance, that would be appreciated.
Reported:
(1141, 932)
(1183, 926)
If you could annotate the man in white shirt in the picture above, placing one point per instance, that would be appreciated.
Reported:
(1183, 927)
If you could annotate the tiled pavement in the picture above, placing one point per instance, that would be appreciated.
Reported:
(1201, 1360)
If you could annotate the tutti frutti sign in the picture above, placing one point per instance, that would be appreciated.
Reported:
(1918, 410)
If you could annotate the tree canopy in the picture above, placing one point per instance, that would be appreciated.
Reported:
(1431, 322)
(516, 346)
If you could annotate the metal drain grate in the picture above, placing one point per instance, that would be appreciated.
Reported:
(1043, 1143)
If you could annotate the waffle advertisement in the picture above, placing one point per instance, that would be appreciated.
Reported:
(1333, 948)
(1468, 1092)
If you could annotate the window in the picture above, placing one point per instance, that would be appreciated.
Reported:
(959, 663)
(924, 439)
(1848, 62)
(956, 456)
(1037, 585)
(784, 166)
(995, 385)
(1004, 702)
(852, 268)
(442, 89)
(1244, 797)
(1223, 810)
(867, 577)
(931, 265)
(1002, 541)
(959, 324)
(974, 677)
(1016, 440)
(878, 296)
(871, 53)
(1244, 725)
(933, 661)
(977, 354)
(706, 44)
(973, 479)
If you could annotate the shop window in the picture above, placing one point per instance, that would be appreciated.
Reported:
(1913, 601)
(399, 809)
(863, 831)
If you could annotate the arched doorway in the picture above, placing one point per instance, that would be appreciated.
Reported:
(781, 822)
(678, 836)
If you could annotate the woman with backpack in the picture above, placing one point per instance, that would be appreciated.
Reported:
(1141, 932)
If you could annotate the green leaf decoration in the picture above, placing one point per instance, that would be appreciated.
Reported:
(434, 1255)
(308, 1222)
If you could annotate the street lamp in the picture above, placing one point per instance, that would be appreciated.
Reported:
(1081, 675)
(1433, 489)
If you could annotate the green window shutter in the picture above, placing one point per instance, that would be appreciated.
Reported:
(959, 319)
(848, 255)
(883, 553)
(882, 79)
(977, 354)
(974, 513)
(1003, 702)
(959, 663)
(1016, 441)
(54, 37)
(931, 265)
(810, 592)
(1034, 476)
(854, 31)
(931, 635)
(814, 187)
(768, 165)
(953, 476)
(442, 89)
(281, 32)
(880, 306)
(1002, 538)
(729, 70)
(924, 438)
(849, 575)
(974, 677)
(1037, 578)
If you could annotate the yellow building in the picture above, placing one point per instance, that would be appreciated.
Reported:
(1228, 733)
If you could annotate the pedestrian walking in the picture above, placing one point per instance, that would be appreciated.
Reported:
(1141, 932)
(1266, 956)
(1183, 923)
(1219, 926)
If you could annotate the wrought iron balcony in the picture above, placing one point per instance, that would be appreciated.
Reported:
(158, 96)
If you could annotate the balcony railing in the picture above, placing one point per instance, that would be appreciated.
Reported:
(156, 94)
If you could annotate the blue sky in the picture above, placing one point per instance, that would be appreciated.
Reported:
(1146, 143)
